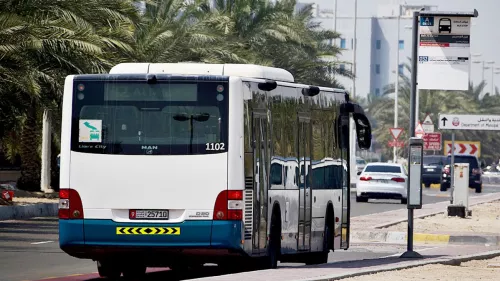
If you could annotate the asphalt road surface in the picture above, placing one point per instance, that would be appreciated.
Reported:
(429, 196)
(29, 249)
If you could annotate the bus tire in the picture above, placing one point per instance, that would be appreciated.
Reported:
(108, 270)
(322, 257)
(274, 245)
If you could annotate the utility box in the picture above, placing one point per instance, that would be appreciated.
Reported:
(460, 204)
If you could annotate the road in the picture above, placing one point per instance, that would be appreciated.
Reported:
(29, 249)
(429, 195)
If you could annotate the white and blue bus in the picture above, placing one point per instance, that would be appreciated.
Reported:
(178, 165)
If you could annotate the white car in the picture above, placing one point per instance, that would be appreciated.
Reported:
(382, 181)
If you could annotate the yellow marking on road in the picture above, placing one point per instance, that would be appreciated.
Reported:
(78, 274)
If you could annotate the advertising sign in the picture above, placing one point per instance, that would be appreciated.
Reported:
(444, 53)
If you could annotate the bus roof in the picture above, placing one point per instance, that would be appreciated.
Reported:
(241, 70)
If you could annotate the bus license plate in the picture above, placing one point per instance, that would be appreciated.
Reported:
(149, 214)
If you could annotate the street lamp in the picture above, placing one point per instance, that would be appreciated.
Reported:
(201, 117)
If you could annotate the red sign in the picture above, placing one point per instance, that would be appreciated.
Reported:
(432, 141)
(396, 132)
(396, 143)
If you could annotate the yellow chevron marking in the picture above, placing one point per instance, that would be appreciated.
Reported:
(148, 231)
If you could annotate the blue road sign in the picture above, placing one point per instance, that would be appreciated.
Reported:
(426, 21)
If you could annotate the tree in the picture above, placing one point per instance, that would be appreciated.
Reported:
(44, 41)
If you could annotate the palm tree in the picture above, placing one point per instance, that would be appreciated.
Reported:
(44, 41)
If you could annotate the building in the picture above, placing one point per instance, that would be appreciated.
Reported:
(377, 37)
(377, 42)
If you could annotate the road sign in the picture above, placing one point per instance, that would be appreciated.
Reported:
(419, 131)
(444, 52)
(464, 148)
(432, 141)
(396, 143)
(428, 125)
(396, 132)
(469, 122)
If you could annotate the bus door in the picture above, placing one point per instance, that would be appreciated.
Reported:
(261, 167)
(346, 181)
(305, 194)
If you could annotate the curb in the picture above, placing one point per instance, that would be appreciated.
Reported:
(29, 211)
(426, 238)
(446, 261)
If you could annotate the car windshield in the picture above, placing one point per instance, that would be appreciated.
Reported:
(382, 169)
(360, 162)
(473, 163)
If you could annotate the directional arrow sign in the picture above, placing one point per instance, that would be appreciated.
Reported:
(469, 122)
(464, 148)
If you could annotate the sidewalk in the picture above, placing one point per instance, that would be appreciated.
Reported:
(29, 204)
(340, 270)
(488, 269)
(391, 226)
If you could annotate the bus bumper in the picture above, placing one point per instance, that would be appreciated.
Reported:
(98, 239)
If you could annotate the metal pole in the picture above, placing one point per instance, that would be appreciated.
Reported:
(352, 141)
(335, 14)
(396, 93)
(413, 99)
(492, 79)
(414, 61)
(452, 166)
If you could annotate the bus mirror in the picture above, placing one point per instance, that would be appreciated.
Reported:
(363, 131)
(267, 86)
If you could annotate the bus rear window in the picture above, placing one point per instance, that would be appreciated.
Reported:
(137, 118)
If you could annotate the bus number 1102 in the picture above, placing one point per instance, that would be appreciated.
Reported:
(215, 146)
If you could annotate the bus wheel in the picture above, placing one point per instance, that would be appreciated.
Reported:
(274, 245)
(322, 257)
(134, 272)
(108, 270)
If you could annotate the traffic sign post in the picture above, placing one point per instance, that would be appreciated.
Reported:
(419, 131)
(428, 125)
(432, 62)
(463, 148)
(432, 141)
(469, 122)
(396, 133)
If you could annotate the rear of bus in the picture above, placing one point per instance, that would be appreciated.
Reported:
(144, 168)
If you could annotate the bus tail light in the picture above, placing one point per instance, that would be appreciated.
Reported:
(70, 204)
(229, 205)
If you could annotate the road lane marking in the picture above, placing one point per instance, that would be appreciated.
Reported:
(42, 242)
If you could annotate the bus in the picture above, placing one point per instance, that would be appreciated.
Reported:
(182, 164)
